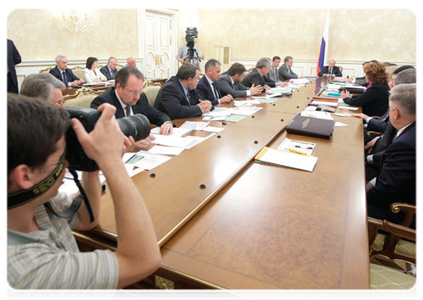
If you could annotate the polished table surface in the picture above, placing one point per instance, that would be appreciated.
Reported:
(255, 226)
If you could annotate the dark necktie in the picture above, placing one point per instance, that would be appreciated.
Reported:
(330, 71)
(216, 93)
(189, 98)
(128, 110)
(65, 78)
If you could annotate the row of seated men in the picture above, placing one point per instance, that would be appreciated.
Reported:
(185, 95)
(92, 72)
(177, 98)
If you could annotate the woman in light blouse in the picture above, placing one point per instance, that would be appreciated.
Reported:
(92, 72)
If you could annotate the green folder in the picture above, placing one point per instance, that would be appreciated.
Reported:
(282, 90)
(267, 100)
(234, 118)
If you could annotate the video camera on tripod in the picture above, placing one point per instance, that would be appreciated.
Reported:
(192, 54)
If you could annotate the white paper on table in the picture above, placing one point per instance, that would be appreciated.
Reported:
(171, 141)
(347, 107)
(245, 102)
(195, 140)
(213, 129)
(194, 125)
(333, 86)
(291, 160)
(150, 161)
(342, 114)
(306, 147)
(316, 114)
(300, 80)
(218, 112)
(175, 131)
(330, 104)
(166, 150)
(245, 110)
(339, 124)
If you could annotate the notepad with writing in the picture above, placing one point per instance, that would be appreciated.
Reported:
(286, 159)
(303, 125)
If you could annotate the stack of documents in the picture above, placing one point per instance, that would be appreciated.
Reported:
(280, 90)
(286, 159)
(175, 131)
(144, 160)
(295, 146)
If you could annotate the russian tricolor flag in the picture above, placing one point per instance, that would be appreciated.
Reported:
(324, 46)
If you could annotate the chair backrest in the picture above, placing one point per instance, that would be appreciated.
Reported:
(341, 69)
(47, 70)
(78, 71)
(395, 232)
(151, 93)
(248, 71)
(82, 98)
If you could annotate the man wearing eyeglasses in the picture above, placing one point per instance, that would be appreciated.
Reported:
(44, 86)
(128, 98)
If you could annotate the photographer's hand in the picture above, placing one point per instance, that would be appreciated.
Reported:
(105, 135)
(137, 252)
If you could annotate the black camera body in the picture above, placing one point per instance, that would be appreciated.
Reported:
(190, 34)
(136, 126)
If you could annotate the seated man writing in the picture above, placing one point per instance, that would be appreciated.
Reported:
(178, 98)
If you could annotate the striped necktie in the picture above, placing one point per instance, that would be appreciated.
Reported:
(128, 110)
(189, 98)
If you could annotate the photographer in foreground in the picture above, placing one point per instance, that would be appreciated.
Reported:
(42, 252)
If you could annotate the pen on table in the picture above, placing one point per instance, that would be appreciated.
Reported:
(130, 158)
(297, 151)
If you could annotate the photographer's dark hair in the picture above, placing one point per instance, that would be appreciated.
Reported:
(123, 75)
(33, 129)
(186, 71)
(90, 61)
(236, 68)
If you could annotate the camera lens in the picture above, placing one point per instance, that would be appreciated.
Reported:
(136, 126)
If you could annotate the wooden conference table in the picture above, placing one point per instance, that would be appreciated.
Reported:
(224, 221)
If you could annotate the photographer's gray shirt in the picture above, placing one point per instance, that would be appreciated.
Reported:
(183, 51)
(50, 258)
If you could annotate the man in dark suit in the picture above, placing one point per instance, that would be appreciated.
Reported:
(208, 86)
(128, 99)
(230, 83)
(110, 70)
(396, 181)
(331, 70)
(178, 98)
(258, 76)
(63, 73)
(13, 58)
(377, 146)
(285, 72)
